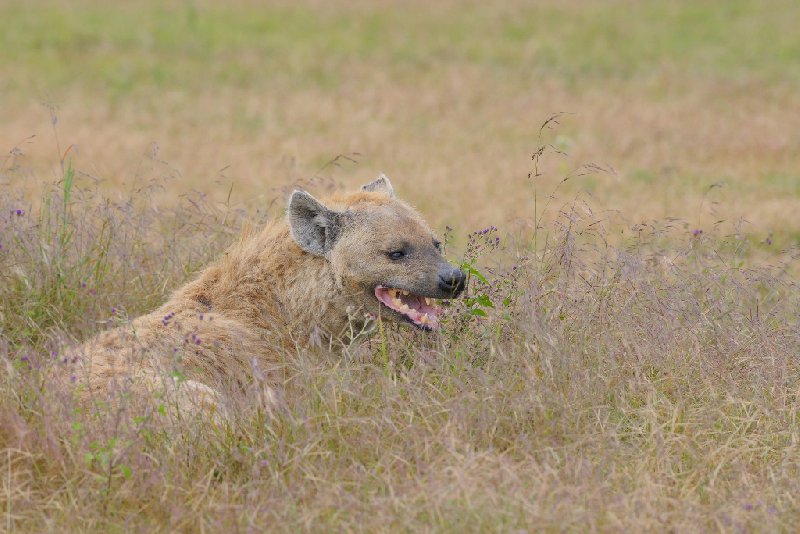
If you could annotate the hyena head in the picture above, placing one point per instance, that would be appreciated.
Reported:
(385, 256)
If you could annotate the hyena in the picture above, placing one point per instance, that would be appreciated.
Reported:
(330, 266)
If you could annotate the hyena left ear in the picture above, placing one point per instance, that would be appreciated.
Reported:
(313, 226)
(381, 184)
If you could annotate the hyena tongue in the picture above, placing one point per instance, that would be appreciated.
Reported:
(412, 306)
(414, 302)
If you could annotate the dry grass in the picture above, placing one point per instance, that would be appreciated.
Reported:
(665, 155)
(634, 372)
(638, 387)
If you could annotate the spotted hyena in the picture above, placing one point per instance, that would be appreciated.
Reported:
(328, 267)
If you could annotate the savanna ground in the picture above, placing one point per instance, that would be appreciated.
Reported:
(630, 353)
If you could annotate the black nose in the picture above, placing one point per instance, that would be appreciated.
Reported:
(452, 281)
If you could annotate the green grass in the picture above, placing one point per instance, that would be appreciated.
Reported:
(178, 45)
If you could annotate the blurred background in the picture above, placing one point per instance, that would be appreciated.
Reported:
(687, 109)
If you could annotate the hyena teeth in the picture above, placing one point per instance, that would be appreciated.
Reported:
(427, 301)
(396, 301)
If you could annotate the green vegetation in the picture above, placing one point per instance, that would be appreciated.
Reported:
(179, 45)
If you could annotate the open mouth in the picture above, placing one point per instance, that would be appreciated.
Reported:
(420, 311)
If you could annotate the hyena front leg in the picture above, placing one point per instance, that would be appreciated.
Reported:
(192, 399)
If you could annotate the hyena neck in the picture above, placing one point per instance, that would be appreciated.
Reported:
(269, 283)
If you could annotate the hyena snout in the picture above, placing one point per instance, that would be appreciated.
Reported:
(452, 280)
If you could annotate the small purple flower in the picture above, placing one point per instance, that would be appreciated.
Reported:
(768, 241)
(697, 232)
(83, 285)
(201, 316)
(197, 341)
(18, 212)
(113, 310)
(23, 359)
(73, 378)
(748, 507)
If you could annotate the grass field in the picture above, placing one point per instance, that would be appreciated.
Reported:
(639, 365)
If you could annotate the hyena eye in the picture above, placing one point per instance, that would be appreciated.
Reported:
(437, 245)
(397, 254)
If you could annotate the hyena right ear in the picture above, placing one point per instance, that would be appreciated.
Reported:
(381, 184)
(313, 226)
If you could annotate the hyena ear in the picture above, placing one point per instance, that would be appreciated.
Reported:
(380, 185)
(313, 226)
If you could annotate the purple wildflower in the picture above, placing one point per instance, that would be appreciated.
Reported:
(18, 212)
(697, 232)
(167, 318)
(73, 378)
